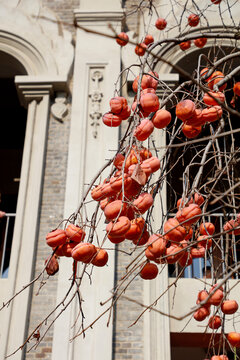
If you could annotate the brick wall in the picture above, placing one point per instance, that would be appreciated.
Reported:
(128, 341)
(64, 10)
(133, 13)
(132, 19)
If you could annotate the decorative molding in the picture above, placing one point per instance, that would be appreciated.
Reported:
(84, 17)
(95, 97)
(59, 108)
(35, 87)
(173, 54)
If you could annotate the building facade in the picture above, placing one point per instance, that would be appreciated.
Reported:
(60, 79)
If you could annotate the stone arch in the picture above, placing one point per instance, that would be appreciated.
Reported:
(10, 66)
(186, 60)
(37, 40)
(173, 54)
(30, 56)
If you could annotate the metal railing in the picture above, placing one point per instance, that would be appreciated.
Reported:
(6, 234)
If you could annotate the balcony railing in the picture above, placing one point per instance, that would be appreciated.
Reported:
(6, 234)
(215, 256)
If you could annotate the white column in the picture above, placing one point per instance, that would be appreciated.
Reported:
(8, 285)
(27, 223)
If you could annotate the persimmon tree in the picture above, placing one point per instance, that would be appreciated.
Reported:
(199, 162)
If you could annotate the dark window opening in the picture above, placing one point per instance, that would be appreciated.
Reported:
(196, 345)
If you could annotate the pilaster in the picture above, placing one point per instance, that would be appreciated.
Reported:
(97, 66)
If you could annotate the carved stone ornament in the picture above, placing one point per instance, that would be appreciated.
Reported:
(59, 108)
(95, 96)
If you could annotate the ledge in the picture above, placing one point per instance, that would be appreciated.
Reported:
(84, 17)
(35, 87)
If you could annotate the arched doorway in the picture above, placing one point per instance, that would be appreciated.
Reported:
(31, 73)
(12, 135)
(189, 62)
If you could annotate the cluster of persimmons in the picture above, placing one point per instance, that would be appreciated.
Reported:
(69, 243)
(215, 297)
(193, 20)
(147, 107)
(122, 196)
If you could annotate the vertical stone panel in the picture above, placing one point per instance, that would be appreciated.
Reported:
(97, 65)
(95, 95)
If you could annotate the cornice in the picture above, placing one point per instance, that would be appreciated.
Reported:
(35, 87)
(85, 17)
